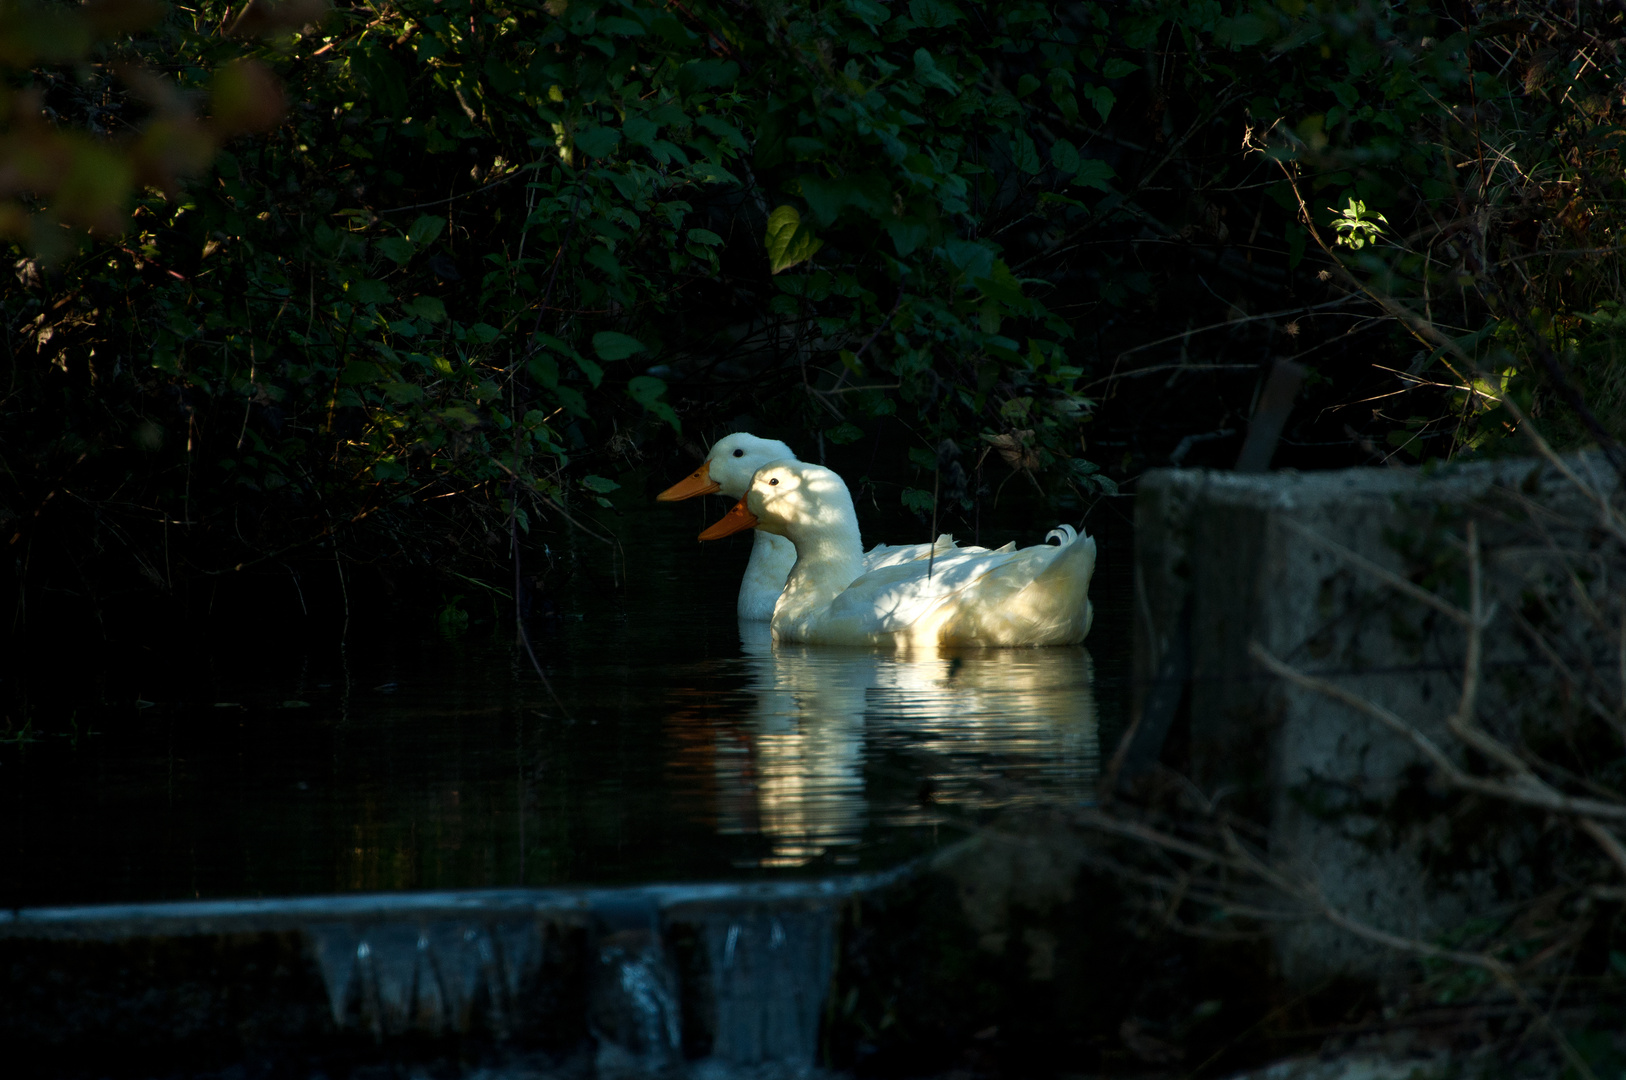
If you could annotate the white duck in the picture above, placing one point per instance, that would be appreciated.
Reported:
(728, 469)
(1036, 596)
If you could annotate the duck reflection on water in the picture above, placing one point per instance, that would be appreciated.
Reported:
(983, 728)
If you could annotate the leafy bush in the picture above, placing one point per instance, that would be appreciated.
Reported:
(492, 251)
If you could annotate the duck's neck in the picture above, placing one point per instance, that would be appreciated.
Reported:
(828, 559)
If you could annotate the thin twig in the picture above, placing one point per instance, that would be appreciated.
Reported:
(1526, 789)
(1388, 577)
(519, 604)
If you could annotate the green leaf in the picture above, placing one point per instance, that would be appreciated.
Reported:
(1296, 237)
(844, 433)
(1001, 285)
(1117, 69)
(647, 391)
(426, 307)
(1241, 31)
(907, 236)
(973, 257)
(390, 469)
(570, 400)
(597, 142)
(382, 79)
(612, 346)
(398, 248)
(403, 393)
(640, 131)
(1094, 174)
(594, 373)
(697, 75)
(368, 291)
(927, 73)
(1024, 155)
(425, 229)
(872, 13)
(1016, 408)
(600, 256)
(545, 370)
(920, 502)
(1064, 156)
(934, 13)
(924, 458)
(1102, 98)
(646, 388)
(827, 198)
(704, 236)
(788, 241)
(599, 484)
(361, 371)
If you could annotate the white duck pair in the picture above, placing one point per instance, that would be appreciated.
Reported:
(728, 469)
(826, 590)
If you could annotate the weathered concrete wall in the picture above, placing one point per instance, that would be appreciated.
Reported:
(1349, 807)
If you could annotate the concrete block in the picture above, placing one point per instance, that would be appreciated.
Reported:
(1348, 806)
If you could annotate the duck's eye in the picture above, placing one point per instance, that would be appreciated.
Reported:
(774, 481)
(739, 453)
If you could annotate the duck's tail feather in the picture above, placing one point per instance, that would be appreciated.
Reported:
(1039, 597)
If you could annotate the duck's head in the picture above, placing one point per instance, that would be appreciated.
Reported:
(729, 466)
(791, 498)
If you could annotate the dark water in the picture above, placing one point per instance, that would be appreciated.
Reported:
(420, 758)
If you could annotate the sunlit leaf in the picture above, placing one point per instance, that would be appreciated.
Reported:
(788, 240)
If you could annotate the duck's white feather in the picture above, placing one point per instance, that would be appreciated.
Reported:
(960, 596)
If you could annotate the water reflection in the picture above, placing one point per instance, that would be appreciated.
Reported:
(420, 761)
(1018, 725)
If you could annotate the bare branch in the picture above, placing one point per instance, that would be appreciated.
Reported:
(1388, 577)
(1526, 788)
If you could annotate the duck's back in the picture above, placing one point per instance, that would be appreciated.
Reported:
(1014, 605)
(1033, 596)
(773, 556)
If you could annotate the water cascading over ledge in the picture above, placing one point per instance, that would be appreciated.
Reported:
(642, 979)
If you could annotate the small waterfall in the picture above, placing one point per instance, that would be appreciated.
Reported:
(632, 1005)
(769, 972)
(721, 981)
(764, 973)
(432, 978)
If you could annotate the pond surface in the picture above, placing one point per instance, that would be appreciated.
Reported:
(680, 745)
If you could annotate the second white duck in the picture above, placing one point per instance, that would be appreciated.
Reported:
(1033, 596)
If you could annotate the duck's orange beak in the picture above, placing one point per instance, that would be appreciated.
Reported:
(698, 482)
(736, 520)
